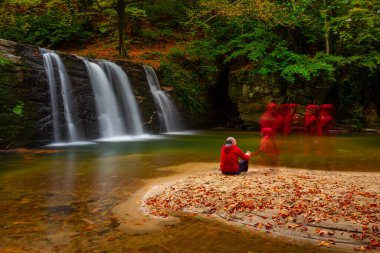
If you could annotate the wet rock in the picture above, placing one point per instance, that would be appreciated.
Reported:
(25, 83)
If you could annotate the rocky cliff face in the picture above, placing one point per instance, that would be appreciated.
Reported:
(25, 108)
(251, 94)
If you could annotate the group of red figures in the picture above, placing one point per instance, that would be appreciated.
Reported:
(280, 118)
(318, 120)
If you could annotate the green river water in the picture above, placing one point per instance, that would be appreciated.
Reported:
(62, 201)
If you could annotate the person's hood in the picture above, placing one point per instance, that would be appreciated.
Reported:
(228, 148)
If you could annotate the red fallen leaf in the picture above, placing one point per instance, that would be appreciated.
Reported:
(331, 241)
(374, 243)
(355, 236)
(90, 227)
(361, 248)
(290, 218)
(321, 232)
(293, 226)
(268, 226)
(324, 244)
(259, 225)
(304, 228)
(331, 232)
(283, 213)
(280, 223)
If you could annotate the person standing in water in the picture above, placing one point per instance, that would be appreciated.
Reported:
(229, 158)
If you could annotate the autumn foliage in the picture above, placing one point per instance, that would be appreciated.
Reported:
(331, 208)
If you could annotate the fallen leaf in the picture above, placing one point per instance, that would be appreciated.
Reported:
(324, 244)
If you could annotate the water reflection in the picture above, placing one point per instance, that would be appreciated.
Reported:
(268, 150)
(60, 192)
(62, 200)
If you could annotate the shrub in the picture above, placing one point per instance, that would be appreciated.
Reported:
(48, 30)
(186, 88)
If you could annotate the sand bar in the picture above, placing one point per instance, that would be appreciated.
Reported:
(332, 209)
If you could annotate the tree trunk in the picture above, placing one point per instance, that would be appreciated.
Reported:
(83, 5)
(327, 32)
(121, 15)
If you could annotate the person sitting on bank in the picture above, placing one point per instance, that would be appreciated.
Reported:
(229, 158)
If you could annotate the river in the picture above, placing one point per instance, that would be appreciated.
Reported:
(60, 199)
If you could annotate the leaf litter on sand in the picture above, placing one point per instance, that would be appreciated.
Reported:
(331, 207)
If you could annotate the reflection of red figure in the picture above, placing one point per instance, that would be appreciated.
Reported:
(289, 114)
(268, 144)
(268, 148)
(325, 119)
(271, 118)
(311, 118)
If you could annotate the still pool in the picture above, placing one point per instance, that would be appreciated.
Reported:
(60, 199)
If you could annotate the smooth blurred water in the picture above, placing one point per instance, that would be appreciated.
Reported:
(60, 199)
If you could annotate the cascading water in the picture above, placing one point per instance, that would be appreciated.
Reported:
(170, 120)
(109, 116)
(53, 96)
(122, 86)
(51, 59)
(117, 110)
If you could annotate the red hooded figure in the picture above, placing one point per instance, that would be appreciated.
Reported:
(229, 157)
(289, 114)
(325, 119)
(268, 147)
(268, 119)
(311, 118)
(268, 144)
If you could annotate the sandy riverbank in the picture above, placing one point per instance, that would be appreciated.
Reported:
(332, 209)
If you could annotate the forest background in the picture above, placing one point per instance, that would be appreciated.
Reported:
(203, 48)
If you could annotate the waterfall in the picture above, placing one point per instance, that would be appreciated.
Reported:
(53, 96)
(51, 59)
(169, 116)
(109, 116)
(122, 86)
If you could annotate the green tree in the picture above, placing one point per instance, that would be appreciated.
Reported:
(290, 37)
(42, 24)
(122, 10)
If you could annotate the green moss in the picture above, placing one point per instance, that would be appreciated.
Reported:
(5, 63)
(19, 108)
(11, 106)
(187, 90)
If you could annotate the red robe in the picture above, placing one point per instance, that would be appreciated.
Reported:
(229, 158)
(268, 144)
